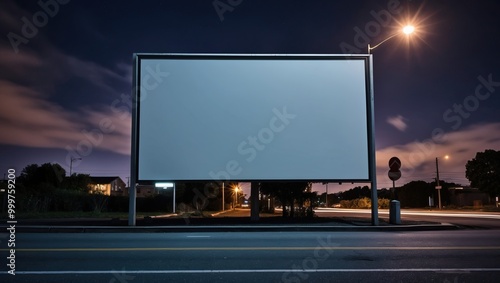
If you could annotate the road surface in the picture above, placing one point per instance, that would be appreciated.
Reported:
(431, 256)
(471, 219)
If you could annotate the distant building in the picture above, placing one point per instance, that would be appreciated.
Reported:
(146, 191)
(110, 186)
(467, 196)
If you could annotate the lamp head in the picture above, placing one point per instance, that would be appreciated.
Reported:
(408, 29)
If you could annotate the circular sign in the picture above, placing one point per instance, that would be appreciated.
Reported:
(394, 163)
(394, 175)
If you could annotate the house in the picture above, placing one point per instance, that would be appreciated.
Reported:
(110, 186)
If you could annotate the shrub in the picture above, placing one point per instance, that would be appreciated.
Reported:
(364, 203)
(384, 203)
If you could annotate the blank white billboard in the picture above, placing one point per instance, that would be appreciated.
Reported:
(251, 117)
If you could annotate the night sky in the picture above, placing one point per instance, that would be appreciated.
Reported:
(66, 72)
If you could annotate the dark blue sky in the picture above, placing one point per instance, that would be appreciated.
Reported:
(58, 84)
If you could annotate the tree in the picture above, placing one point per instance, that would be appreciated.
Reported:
(77, 182)
(42, 178)
(199, 196)
(483, 172)
(356, 192)
(288, 193)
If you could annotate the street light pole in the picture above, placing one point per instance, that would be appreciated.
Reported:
(407, 30)
(326, 198)
(236, 190)
(371, 48)
(71, 164)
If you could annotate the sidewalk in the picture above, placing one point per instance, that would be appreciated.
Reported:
(223, 222)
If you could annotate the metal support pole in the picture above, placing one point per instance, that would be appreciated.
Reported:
(132, 191)
(371, 145)
(222, 196)
(173, 201)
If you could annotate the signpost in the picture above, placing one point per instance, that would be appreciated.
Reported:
(394, 172)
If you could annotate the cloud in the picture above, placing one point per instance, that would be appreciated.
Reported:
(29, 120)
(30, 84)
(398, 122)
(418, 158)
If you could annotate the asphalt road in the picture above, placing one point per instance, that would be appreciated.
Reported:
(471, 219)
(431, 256)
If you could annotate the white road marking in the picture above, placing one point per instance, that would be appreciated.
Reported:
(197, 236)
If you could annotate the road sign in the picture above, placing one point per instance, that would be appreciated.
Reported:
(394, 163)
(438, 187)
(394, 175)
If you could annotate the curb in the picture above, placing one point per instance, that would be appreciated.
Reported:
(236, 228)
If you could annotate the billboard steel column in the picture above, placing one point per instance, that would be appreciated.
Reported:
(133, 157)
(372, 159)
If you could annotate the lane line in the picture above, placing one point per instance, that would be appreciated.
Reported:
(249, 248)
(184, 271)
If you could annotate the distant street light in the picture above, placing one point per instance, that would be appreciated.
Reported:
(409, 29)
(166, 185)
(71, 164)
(235, 196)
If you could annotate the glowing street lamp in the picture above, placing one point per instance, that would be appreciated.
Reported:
(236, 188)
(409, 29)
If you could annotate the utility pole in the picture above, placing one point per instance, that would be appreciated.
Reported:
(438, 187)
(71, 164)
(326, 198)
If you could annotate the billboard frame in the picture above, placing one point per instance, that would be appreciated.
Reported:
(136, 100)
